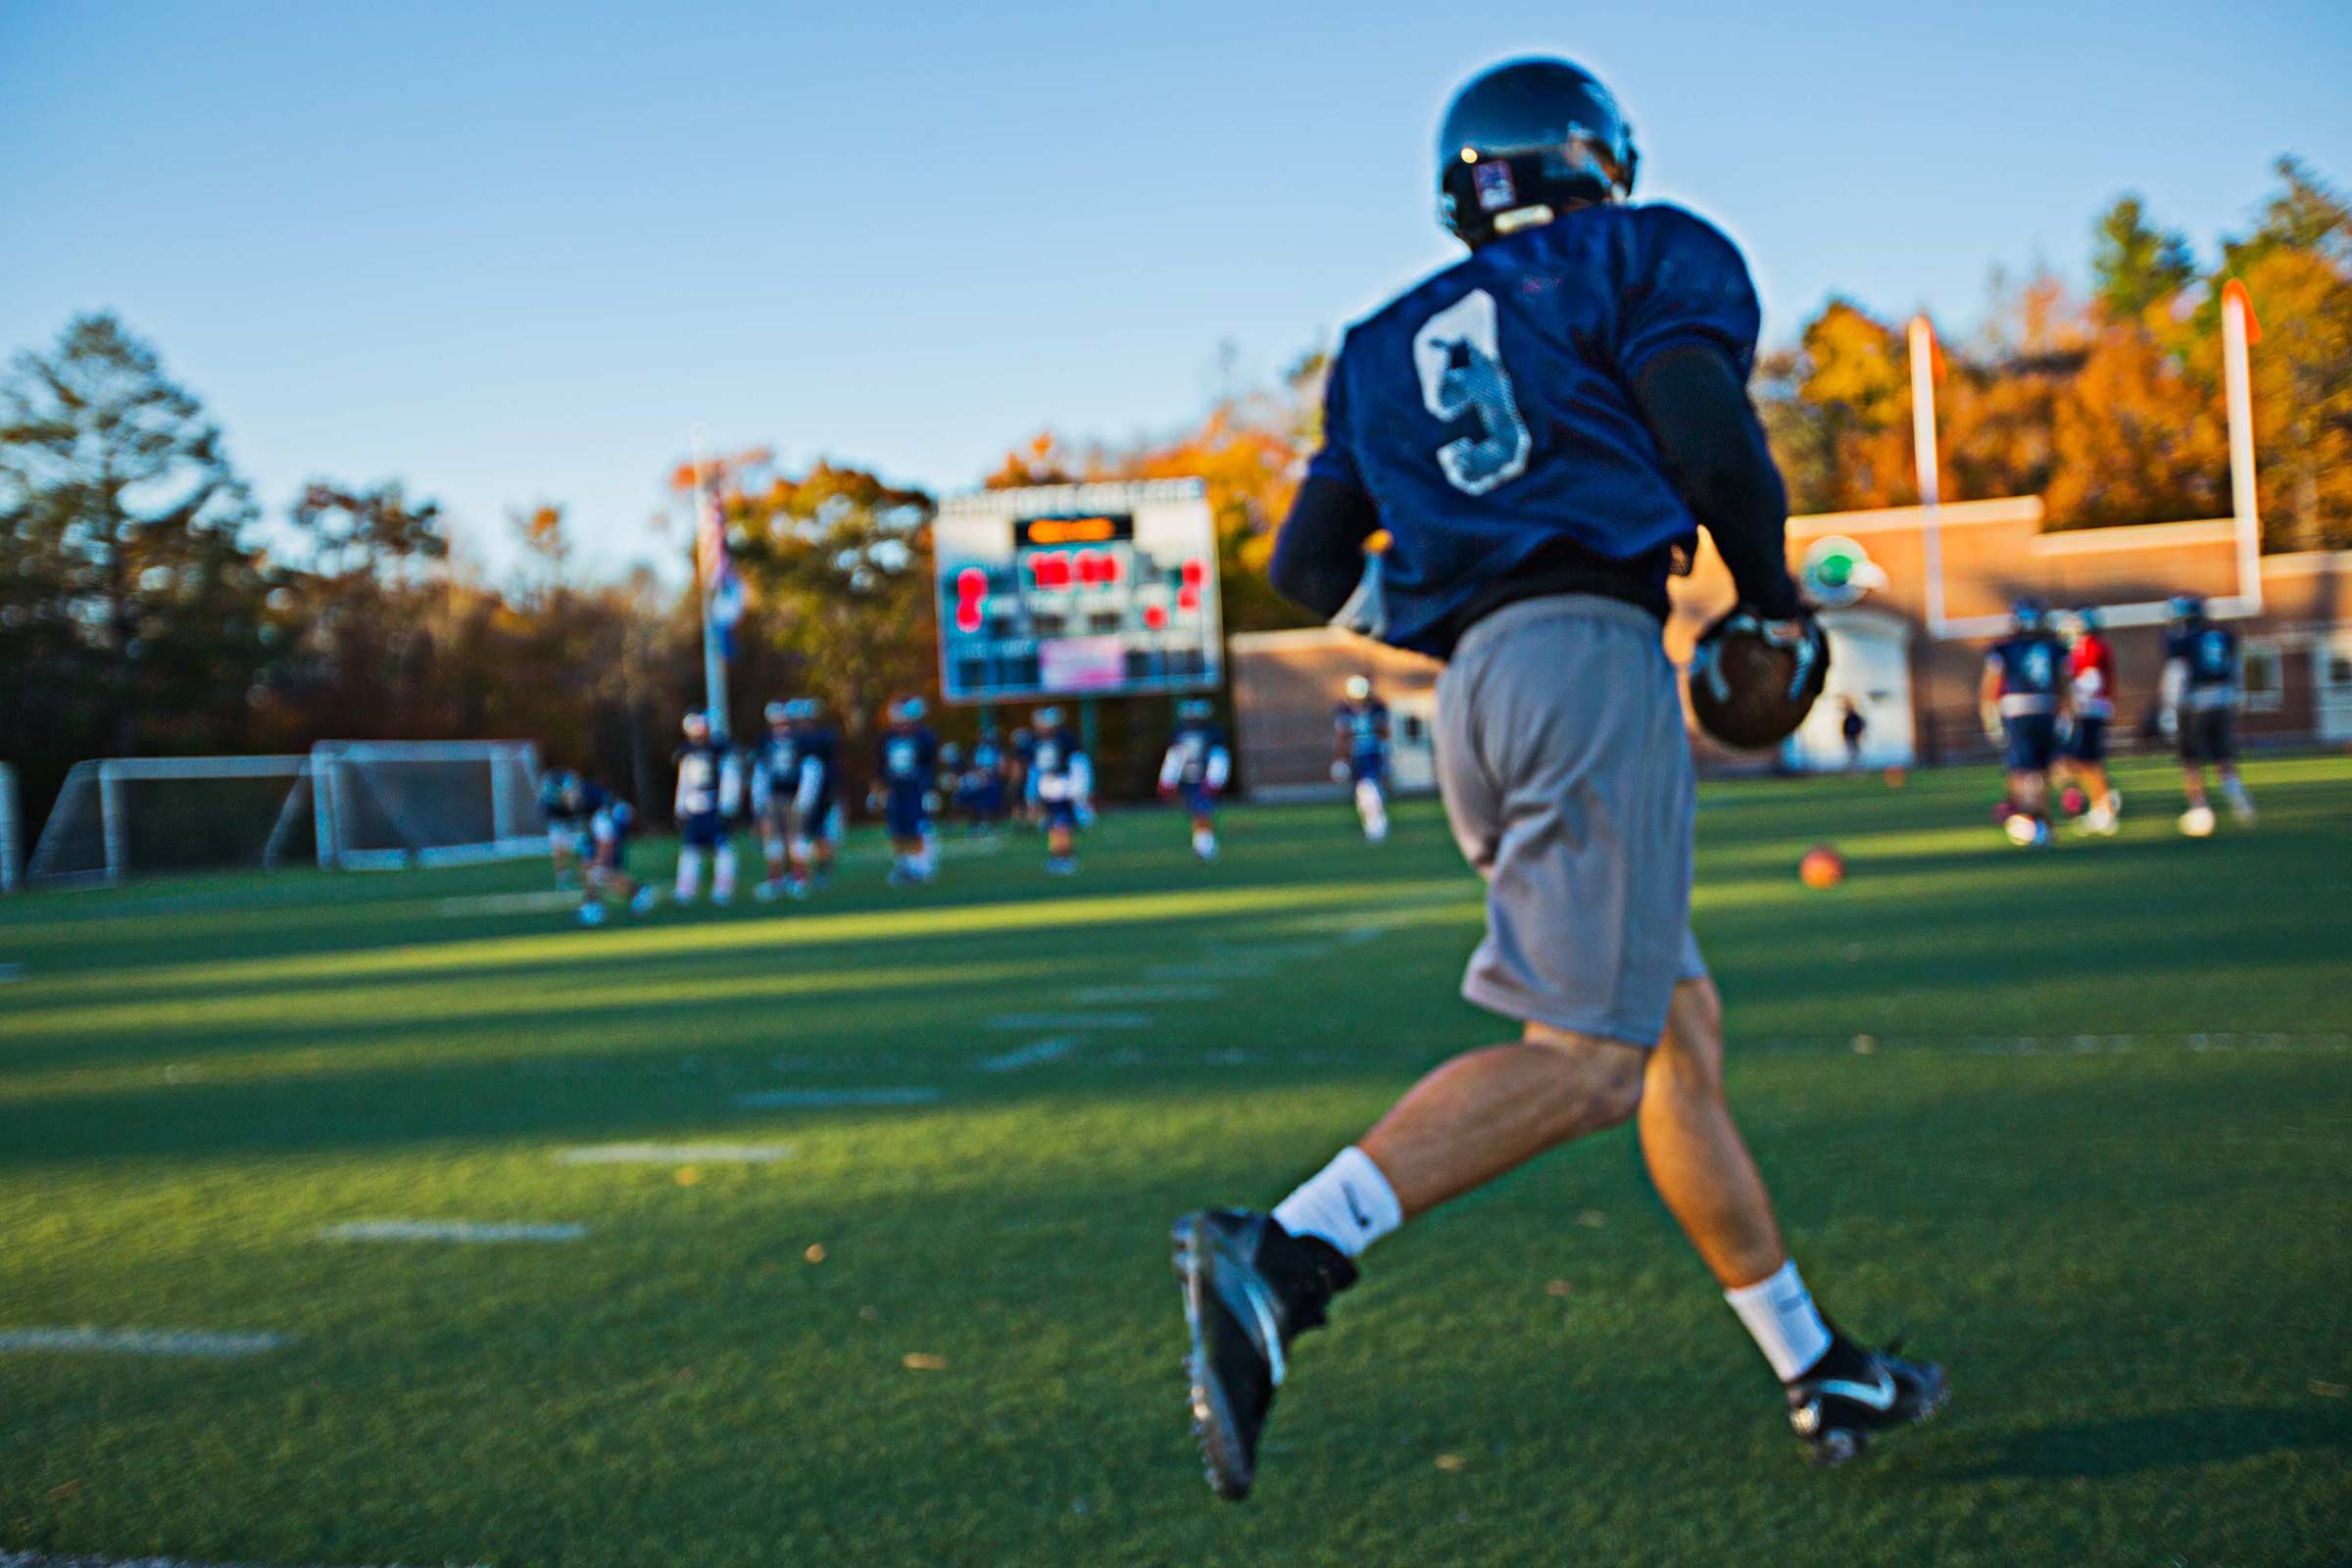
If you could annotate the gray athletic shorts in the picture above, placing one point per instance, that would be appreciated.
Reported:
(1567, 778)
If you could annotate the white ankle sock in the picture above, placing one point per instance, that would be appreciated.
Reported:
(1783, 1320)
(1349, 1204)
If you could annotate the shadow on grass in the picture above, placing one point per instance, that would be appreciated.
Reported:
(2166, 1439)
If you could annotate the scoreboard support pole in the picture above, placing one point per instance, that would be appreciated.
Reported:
(1089, 730)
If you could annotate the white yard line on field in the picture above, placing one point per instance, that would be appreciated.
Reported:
(535, 902)
(784, 1099)
(141, 1341)
(1215, 969)
(448, 1229)
(1062, 1022)
(675, 1154)
(1036, 1054)
(1097, 995)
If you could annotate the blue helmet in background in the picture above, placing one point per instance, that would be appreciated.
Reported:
(2185, 607)
(1047, 717)
(2087, 617)
(1524, 142)
(2028, 613)
(777, 712)
(1195, 709)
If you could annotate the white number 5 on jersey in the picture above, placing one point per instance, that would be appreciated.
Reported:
(1459, 359)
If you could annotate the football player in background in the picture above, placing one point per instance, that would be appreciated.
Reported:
(813, 820)
(1359, 754)
(775, 778)
(1195, 768)
(988, 778)
(710, 794)
(905, 771)
(560, 796)
(2200, 701)
(2025, 694)
(1543, 429)
(1020, 777)
(2091, 667)
(1060, 781)
(610, 823)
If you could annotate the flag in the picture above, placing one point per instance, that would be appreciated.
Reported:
(722, 589)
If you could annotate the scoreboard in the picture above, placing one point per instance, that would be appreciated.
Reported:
(1078, 590)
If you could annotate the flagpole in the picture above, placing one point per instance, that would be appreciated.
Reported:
(1923, 448)
(715, 654)
(2238, 329)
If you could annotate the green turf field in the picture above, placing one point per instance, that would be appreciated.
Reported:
(2079, 1121)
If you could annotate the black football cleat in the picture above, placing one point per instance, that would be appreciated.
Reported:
(1853, 1392)
(1249, 1288)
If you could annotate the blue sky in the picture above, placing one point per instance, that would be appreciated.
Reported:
(514, 252)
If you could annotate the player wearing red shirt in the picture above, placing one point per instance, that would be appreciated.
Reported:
(2091, 667)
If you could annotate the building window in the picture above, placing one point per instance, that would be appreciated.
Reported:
(2258, 675)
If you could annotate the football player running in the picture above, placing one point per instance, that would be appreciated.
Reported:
(1060, 781)
(2024, 698)
(1196, 768)
(1359, 754)
(2200, 706)
(1543, 429)
(907, 768)
(710, 794)
(2092, 668)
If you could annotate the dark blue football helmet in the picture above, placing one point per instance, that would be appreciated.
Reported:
(1526, 141)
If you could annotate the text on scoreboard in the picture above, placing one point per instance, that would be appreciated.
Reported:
(1077, 590)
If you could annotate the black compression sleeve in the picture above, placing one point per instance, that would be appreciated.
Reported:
(1319, 555)
(1698, 412)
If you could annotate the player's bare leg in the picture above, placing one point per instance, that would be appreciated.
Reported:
(1697, 1161)
(2233, 790)
(1490, 1112)
(2196, 821)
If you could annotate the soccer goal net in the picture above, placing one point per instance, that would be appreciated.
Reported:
(346, 804)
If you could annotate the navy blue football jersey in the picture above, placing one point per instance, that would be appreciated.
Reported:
(779, 757)
(1488, 411)
(910, 758)
(1365, 729)
(1052, 752)
(2034, 665)
(2210, 654)
(1195, 746)
(819, 744)
(705, 769)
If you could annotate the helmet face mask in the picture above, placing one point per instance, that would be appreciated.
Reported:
(1526, 141)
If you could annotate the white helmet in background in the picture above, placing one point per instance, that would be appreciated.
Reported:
(1359, 687)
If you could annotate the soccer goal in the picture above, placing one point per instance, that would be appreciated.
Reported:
(426, 802)
(355, 804)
